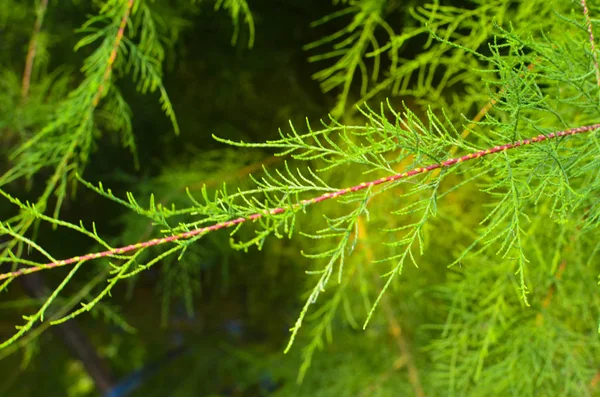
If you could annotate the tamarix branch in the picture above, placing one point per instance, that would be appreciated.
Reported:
(364, 185)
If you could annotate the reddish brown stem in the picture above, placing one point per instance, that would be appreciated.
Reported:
(113, 54)
(303, 203)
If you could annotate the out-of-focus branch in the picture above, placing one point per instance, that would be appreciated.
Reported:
(41, 11)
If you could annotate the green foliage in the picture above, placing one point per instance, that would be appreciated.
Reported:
(235, 8)
(350, 44)
(455, 279)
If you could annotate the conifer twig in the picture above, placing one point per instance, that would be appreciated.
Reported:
(244, 171)
(302, 203)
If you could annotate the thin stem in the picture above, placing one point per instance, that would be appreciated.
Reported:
(115, 50)
(588, 22)
(32, 49)
(324, 197)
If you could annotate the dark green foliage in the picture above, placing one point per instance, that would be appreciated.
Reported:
(136, 120)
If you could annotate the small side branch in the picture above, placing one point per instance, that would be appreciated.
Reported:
(406, 358)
